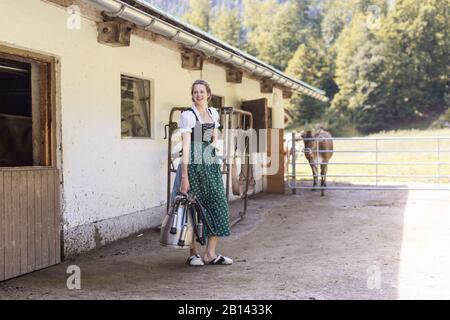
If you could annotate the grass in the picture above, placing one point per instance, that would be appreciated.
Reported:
(391, 151)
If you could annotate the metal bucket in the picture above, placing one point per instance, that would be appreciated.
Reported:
(177, 229)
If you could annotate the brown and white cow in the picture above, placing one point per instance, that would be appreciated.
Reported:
(318, 150)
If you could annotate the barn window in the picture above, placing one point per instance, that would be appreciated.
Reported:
(135, 107)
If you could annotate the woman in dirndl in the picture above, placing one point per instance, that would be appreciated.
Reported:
(201, 172)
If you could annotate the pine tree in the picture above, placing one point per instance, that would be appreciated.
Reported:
(311, 64)
(199, 14)
(226, 25)
(275, 30)
(416, 78)
(394, 76)
(359, 62)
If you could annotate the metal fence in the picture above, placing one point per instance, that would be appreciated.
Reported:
(373, 163)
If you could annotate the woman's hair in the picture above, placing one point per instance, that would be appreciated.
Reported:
(202, 82)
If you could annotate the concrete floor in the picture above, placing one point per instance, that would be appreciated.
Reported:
(346, 245)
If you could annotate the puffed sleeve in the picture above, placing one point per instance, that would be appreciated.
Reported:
(215, 117)
(187, 121)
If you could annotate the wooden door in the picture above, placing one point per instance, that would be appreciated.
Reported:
(29, 214)
(275, 182)
(30, 237)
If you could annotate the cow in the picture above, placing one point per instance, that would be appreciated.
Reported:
(318, 151)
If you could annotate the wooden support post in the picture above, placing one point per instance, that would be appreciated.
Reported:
(115, 33)
(266, 86)
(233, 75)
(191, 60)
(287, 94)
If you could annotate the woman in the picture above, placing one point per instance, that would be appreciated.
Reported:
(201, 171)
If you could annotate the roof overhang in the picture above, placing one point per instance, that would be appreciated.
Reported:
(150, 18)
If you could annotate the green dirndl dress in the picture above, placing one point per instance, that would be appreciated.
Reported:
(205, 180)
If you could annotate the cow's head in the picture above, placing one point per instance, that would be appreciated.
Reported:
(308, 143)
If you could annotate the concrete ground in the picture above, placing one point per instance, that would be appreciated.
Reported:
(346, 245)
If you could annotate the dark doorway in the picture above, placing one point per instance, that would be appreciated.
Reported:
(16, 146)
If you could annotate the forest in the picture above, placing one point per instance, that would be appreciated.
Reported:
(383, 63)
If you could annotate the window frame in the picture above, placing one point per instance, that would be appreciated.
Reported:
(47, 153)
(151, 105)
(222, 101)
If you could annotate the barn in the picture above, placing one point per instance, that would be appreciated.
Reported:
(86, 91)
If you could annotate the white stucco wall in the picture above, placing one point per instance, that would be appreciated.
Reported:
(107, 178)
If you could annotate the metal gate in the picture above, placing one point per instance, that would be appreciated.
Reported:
(373, 163)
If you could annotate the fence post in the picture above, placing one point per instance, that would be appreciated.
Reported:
(294, 155)
(376, 162)
(318, 163)
(439, 161)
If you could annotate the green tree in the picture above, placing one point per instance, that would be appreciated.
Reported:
(311, 64)
(275, 30)
(393, 72)
(359, 61)
(226, 25)
(199, 14)
(415, 81)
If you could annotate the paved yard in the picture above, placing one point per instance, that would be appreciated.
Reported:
(346, 245)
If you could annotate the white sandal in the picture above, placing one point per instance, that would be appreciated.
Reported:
(195, 261)
(221, 260)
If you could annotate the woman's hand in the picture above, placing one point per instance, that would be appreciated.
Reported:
(185, 187)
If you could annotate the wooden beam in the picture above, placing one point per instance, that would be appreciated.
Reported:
(114, 33)
(266, 86)
(45, 114)
(287, 94)
(191, 60)
(234, 75)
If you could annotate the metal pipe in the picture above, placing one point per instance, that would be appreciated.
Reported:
(379, 138)
(228, 118)
(246, 155)
(380, 151)
(169, 156)
(231, 111)
(13, 69)
(383, 163)
(371, 176)
(362, 187)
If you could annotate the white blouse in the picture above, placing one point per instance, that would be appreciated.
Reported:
(187, 119)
